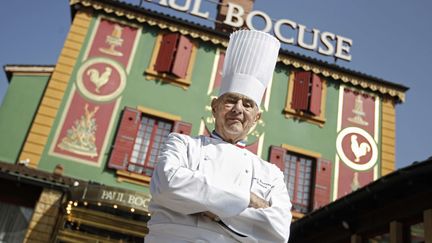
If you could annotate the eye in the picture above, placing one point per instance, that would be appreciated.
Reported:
(248, 104)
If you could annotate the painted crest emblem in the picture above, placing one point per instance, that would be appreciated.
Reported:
(356, 148)
(101, 79)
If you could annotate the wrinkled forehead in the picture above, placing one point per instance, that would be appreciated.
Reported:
(235, 96)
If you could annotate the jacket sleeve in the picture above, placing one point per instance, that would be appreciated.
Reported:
(270, 224)
(176, 186)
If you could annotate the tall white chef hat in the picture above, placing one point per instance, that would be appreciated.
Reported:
(250, 60)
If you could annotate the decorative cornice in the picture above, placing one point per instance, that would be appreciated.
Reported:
(141, 18)
(345, 77)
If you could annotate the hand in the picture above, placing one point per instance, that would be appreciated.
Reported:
(257, 202)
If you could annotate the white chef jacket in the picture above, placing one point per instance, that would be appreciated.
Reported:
(195, 175)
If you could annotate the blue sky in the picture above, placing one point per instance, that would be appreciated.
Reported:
(392, 40)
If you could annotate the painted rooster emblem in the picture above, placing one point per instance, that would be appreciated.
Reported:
(359, 150)
(97, 79)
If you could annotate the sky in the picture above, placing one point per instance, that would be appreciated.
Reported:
(392, 40)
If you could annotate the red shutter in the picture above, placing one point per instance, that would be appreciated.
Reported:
(125, 139)
(218, 77)
(322, 183)
(300, 97)
(316, 94)
(166, 53)
(182, 57)
(182, 127)
(277, 157)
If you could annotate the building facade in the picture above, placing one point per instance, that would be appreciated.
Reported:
(128, 76)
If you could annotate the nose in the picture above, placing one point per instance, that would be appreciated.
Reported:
(238, 107)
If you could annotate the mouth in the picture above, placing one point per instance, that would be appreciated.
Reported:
(234, 120)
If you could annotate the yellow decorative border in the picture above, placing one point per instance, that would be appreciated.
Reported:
(51, 100)
(126, 176)
(388, 134)
(160, 114)
(152, 74)
(291, 113)
(301, 151)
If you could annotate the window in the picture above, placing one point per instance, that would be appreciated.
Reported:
(172, 59)
(307, 177)
(306, 97)
(298, 175)
(139, 140)
(151, 135)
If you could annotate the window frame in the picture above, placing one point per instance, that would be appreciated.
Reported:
(152, 74)
(301, 115)
(312, 179)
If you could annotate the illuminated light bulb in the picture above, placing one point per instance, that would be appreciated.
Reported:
(115, 206)
(132, 210)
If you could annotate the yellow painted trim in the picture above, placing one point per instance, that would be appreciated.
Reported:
(33, 148)
(58, 85)
(72, 45)
(40, 129)
(291, 113)
(126, 176)
(50, 102)
(44, 120)
(47, 111)
(37, 139)
(65, 69)
(67, 61)
(388, 134)
(157, 113)
(301, 151)
(54, 93)
(152, 74)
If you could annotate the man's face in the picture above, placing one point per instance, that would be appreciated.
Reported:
(235, 114)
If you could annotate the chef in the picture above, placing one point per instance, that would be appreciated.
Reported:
(212, 189)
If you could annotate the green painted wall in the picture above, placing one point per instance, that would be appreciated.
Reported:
(16, 113)
(281, 130)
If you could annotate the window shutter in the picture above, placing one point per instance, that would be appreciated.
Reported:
(182, 57)
(166, 53)
(277, 157)
(301, 91)
(125, 139)
(316, 93)
(322, 183)
(182, 127)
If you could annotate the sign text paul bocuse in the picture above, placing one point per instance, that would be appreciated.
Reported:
(324, 43)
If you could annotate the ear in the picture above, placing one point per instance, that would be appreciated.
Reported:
(258, 116)
(213, 105)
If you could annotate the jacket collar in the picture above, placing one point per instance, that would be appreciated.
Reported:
(240, 144)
